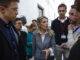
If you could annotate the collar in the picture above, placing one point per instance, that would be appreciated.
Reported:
(63, 20)
(41, 33)
(5, 24)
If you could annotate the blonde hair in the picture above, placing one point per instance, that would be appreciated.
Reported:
(31, 26)
(39, 20)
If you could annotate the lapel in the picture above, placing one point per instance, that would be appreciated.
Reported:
(46, 40)
(39, 41)
(2, 30)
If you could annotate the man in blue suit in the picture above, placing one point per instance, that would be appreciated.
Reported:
(8, 35)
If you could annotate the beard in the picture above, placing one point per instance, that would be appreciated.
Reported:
(73, 22)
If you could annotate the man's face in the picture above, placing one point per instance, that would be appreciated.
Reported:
(34, 22)
(11, 12)
(18, 25)
(62, 11)
(73, 16)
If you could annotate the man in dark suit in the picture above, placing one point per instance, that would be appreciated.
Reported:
(8, 41)
(22, 38)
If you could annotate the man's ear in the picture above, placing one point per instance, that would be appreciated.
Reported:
(2, 9)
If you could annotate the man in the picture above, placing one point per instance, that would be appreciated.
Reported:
(34, 22)
(8, 41)
(75, 50)
(59, 25)
(24, 27)
(73, 27)
(22, 38)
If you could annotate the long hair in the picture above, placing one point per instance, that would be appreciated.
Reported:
(39, 20)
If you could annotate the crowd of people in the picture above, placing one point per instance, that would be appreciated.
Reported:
(21, 42)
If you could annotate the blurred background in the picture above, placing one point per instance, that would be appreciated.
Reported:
(32, 9)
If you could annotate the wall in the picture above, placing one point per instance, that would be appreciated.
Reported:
(29, 8)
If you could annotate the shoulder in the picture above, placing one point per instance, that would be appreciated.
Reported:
(35, 32)
(22, 32)
(67, 19)
(52, 32)
(55, 20)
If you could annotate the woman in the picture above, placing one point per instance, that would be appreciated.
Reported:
(31, 29)
(43, 41)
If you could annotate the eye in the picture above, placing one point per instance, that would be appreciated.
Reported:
(44, 21)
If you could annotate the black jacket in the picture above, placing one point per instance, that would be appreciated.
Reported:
(75, 51)
(6, 50)
(22, 45)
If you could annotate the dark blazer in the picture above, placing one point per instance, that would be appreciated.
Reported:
(6, 50)
(75, 51)
(22, 45)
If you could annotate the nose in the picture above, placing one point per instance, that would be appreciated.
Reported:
(69, 16)
(16, 12)
(46, 23)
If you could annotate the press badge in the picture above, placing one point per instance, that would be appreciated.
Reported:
(63, 36)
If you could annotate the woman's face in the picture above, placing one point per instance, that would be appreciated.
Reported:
(34, 28)
(44, 24)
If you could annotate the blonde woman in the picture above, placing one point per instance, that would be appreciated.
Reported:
(43, 41)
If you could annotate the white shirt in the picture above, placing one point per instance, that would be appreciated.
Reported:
(62, 20)
(24, 29)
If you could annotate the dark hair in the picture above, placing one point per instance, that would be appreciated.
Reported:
(74, 6)
(6, 3)
(77, 3)
(62, 5)
(17, 19)
(32, 25)
(34, 20)
(24, 21)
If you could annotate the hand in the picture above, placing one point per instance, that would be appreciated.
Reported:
(70, 27)
(47, 53)
(63, 45)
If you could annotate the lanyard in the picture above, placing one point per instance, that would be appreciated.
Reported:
(76, 29)
(76, 41)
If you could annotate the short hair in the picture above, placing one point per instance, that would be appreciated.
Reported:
(62, 5)
(23, 19)
(34, 20)
(6, 3)
(77, 3)
(74, 6)
(17, 19)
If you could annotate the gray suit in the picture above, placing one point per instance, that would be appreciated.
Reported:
(38, 45)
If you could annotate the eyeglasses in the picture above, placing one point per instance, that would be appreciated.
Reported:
(14, 9)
